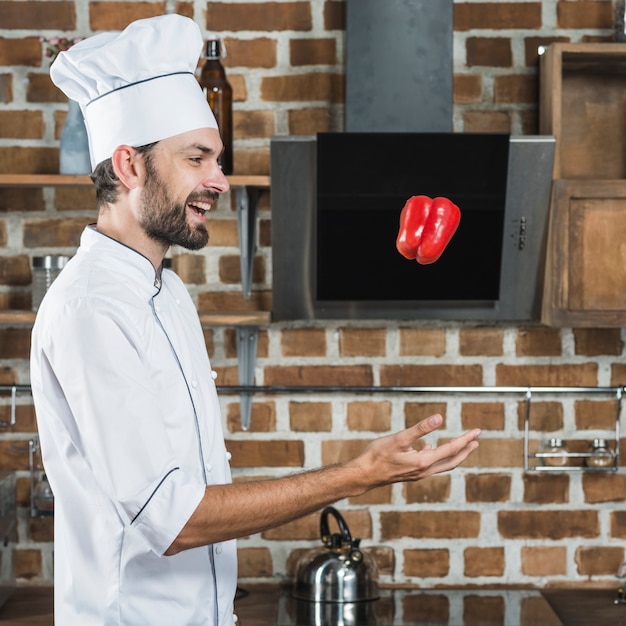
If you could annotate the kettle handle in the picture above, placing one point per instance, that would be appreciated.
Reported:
(327, 538)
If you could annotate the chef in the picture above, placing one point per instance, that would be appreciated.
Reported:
(146, 515)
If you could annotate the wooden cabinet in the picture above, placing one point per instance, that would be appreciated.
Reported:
(583, 104)
(586, 261)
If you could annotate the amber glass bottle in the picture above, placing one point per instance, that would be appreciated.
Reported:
(219, 94)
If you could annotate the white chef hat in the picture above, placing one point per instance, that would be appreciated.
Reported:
(136, 86)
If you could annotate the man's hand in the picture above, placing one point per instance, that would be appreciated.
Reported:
(394, 458)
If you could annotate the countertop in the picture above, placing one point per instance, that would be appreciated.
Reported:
(265, 605)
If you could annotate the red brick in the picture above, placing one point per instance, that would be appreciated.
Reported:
(481, 341)
(487, 487)
(380, 495)
(341, 450)
(268, 16)
(422, 341)
(484, 415)
(234, 301)
(532, 45)
(489, 52)
(595, 414)
(544, 560)
(516, 88)
(253, 124)
(584, 14)
(618, 524)
(40, 88)
(41, 529)
(435, 489)
(21, 124)
(427, 563)
(310, 416)
(262, 417)
(598, 341)
(254, 563)
(308, 527)
(546, 488)
(487, 122)
(369, 416)
(26, 51)
(74, 198)
(314, 87)
(338, 375)
(274, 453)
(415, 412)
(15, 270)
(190, 267)
(118, 15)
(33, 15)
(544, 416)
(537, 524)
(431, 375)
(258, 52)
(14, 343)
(308, 342)
(362, 342)
(54, 232)
(496, 452)
(334, 15)
(6, 88)
(20, 160)
(538, 342)
(565, 375)
(599, 560)
(229, 269)
(309, 121)
(483, 562)
(467, 88)
(604, 487)
(28, 562)
(429, 524)
(313, 51)
(499, 15)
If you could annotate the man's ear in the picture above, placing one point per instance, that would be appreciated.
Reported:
(128, 166)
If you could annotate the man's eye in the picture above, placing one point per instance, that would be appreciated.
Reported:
(197, 159)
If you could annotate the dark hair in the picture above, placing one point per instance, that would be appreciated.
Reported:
(106, 181)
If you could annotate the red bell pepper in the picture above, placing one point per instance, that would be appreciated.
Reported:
(426, 227)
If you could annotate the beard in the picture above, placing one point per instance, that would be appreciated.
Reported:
(164, 219)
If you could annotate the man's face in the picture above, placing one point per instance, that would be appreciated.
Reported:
(182, 183)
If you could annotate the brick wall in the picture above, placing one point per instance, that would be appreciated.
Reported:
(489, 522)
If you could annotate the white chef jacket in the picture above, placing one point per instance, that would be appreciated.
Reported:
(130, 433)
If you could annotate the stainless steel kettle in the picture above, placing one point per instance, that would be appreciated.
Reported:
(338, 571)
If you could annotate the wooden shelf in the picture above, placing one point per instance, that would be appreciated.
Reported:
(213, 318)
(60, 180)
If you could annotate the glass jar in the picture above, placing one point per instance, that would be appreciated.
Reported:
(43, 497)
(600, 454)
(557, 449)
(45, 270)
(619, 23)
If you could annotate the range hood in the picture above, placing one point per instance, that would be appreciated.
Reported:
(336, 197)
(336, 201)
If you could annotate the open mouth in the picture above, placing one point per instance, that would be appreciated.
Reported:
(199, 208)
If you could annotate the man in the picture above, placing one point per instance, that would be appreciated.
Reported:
(129, 423)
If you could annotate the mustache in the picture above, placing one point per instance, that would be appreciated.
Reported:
(205, 196)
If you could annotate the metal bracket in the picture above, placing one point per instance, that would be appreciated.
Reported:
(247, 202)
(247, 340)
